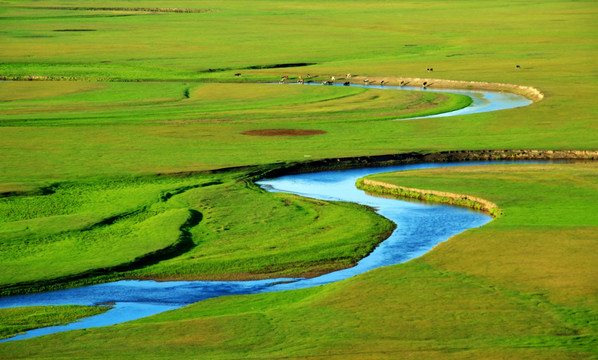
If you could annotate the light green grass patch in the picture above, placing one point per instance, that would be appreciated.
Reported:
(16, 321)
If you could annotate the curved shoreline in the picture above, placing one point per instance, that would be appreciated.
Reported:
(135, 299)
(529, 92)
(381, 188)
(280, 169)
(256, 173)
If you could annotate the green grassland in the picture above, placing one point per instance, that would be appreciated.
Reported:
(122, 94)
(504, 290)
(18, 320)
(93, 129)
(547, 209)
(157, 129)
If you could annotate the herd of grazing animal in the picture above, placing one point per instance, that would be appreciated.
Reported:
(366, 81)
(330, 82)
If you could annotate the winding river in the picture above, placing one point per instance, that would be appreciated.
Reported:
(419, 228)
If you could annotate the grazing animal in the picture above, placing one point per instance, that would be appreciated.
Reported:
(518, 66)
(238, 74)
(382, 82)
(430, 69)
(425, 83)
(346, 83)
(348, 76)
(329, 82)
(366, 81)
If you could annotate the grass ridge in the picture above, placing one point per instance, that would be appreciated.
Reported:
(381, 188)
(183, 244)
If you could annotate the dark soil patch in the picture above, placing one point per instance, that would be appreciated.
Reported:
(283, 132)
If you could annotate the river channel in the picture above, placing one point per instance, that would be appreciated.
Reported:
(419, 228)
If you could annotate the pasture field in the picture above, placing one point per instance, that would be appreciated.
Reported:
(116, 121)
(505, 290)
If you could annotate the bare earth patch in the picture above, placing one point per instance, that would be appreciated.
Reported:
(283, 132)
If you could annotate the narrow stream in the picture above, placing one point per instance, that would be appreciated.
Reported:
(419, 228)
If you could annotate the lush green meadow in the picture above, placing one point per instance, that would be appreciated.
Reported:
(548, 210)
(109, 152)
(93, 129)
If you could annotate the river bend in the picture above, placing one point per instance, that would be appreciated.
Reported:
(419, 228)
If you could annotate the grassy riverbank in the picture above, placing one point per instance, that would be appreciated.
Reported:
(544, 216)
(376, 188)
(186, 227)
(503, 290)
(16, 321)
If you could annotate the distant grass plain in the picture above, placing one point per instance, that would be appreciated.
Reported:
(144, 93)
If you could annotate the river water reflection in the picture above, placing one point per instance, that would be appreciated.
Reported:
(419, 228)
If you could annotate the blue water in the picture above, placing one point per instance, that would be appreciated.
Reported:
(419, 228)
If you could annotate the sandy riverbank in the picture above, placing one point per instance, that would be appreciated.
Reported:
(527, 91)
